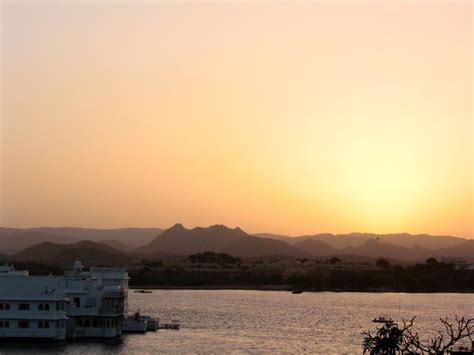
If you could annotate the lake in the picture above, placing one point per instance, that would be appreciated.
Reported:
(234, 321)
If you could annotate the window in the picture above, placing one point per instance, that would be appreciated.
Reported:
(23, 307)
(44, 324)
(1, 307)
(87, 323)
(23, 324)
(7, 306)
(95, 323)
(1, 324)
(6, 324)
(79, 322)
(43, 307)
(4, 306)
(77, 302)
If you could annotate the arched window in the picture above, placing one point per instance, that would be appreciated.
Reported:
(23, 324)
(95, 323)
(79, 322)
(87, 323)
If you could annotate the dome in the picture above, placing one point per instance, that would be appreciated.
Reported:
(78, 265)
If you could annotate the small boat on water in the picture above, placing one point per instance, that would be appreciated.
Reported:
(382, 320)
(297, 292)
(174, 325)
(135, 324)
(140, 324)
(462, 350)
(152, 324)
(143, 291)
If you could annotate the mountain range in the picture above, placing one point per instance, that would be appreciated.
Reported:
(90, 253)
(121, 246)
(13, 240)
(355, 239)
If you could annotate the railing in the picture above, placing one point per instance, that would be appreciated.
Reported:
(111, 311)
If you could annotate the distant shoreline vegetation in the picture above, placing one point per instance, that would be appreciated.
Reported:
(211, 270)
(221, 271)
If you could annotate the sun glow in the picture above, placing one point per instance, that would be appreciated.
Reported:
(291, 118)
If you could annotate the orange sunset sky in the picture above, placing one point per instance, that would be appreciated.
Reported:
(291, 117)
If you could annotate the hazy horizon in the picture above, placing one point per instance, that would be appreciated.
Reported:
(233, 227)
(287, 118)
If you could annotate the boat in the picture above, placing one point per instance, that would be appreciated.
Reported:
(174, 325)
(382, 320)
(143, 291)
(297, 292)
(462, 350)
(151, 323)
(135, 324)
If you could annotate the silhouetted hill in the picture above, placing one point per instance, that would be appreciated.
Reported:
(283, 238)
(153, 242)
(13, 239)
(250, 246)
(90, 253)
(316, 247)
(134, 237)
(375, 248)
(218, 238)
(124, 248)
(464, 250)
(342, 241)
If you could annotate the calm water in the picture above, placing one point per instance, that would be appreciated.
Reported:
(264, 322)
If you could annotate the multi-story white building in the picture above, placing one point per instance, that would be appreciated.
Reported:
(36, 315)
(79, 304)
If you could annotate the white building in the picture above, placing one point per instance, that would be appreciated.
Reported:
(458, 262)
(79, 304)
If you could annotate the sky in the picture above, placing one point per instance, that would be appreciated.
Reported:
(288, 117)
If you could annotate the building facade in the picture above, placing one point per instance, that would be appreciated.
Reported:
(78, 304)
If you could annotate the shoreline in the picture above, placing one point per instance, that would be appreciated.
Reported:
(285, 288)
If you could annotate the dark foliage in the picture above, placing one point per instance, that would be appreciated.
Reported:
(392, 339)
(211, 257)
(432, 277)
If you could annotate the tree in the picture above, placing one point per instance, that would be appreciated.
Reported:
(460, 329)
(391, 339)
(431, 261)
(388, 340)
(335, 260)
(382, 263)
